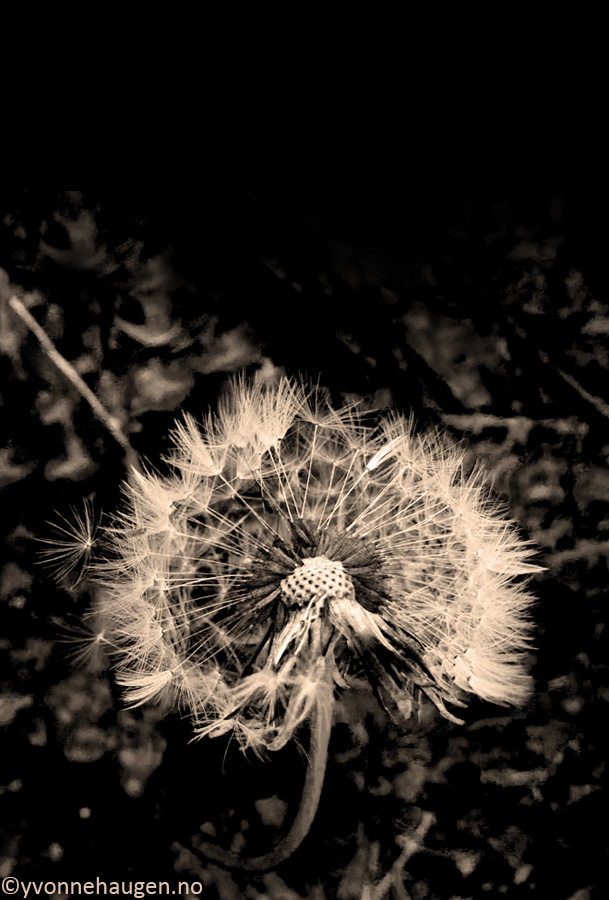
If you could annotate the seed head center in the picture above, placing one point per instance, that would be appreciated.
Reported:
(318, 578)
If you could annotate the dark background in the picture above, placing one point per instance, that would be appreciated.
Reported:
(481, 307)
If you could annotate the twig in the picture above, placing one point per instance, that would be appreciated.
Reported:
(544, 356)
(478, 421)
(393, 878)
(597, 402)
(74, 378)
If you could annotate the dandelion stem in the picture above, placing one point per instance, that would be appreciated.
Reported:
(321, 726)
(74, 378)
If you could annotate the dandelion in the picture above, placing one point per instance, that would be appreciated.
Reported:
(293, 547)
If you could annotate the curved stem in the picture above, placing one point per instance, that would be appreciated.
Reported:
(321, 726)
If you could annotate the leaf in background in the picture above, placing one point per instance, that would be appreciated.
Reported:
(161, 386)
(10, 472)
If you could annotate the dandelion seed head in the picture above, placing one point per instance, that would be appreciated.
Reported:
(292, 545)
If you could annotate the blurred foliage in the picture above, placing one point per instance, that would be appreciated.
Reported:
(486, 315)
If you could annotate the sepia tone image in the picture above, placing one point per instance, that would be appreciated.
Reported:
(305, 527)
